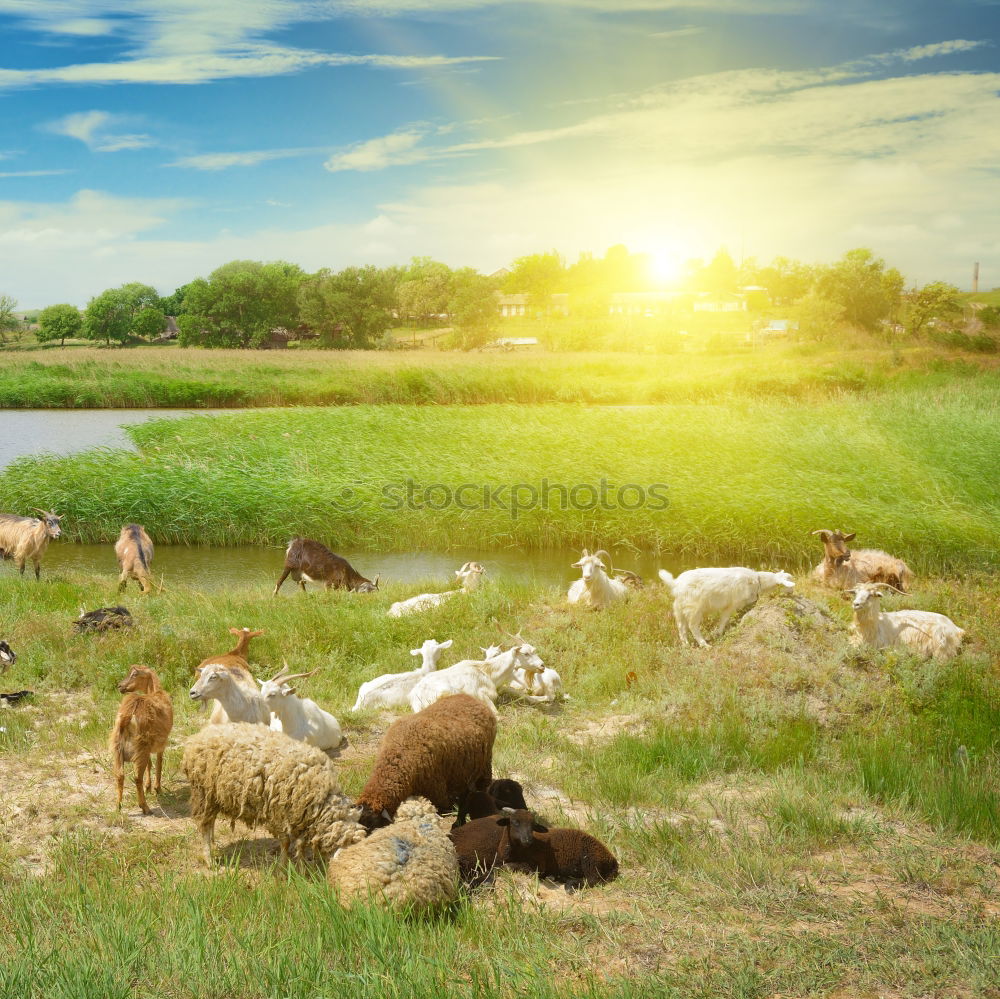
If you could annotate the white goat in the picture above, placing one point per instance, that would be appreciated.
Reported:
(538, 688)
(240, 701)
(393, 689)
(596, 589)
(698, 592)
(298, 717)
(469, 576)
(924, 632)
(466, 676)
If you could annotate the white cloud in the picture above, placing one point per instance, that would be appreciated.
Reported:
(940, 49)
(33, 173)
(249, 158)
(98, 131)
(376, 154)
(686, 31)
(88, 27)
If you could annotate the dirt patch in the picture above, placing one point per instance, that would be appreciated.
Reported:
(785, 624)
(605, 729)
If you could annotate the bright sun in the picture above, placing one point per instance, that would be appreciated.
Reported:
(665, 266)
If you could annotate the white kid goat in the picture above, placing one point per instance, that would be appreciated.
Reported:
(298, 717)
(469, 577)
(923, 632)
(596, 589)
(699, 592)
(393, 689)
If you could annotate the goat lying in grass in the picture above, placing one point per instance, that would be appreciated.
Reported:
(844, 568)
(469, 576)
(596, 589)
(699, 592)
(923, 632)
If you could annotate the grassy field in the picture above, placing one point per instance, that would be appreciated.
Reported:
(792, 817)
(915, 472)
(151, 377)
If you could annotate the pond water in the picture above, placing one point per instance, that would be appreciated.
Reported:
(67, 431)
(54, 431)
(217, 568)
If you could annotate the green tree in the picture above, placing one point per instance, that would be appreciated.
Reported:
(819, 318)
(934, 301)
(173, 305)
(59, 322)
(349, 308)
(473, 308)
(863, 286)
(239, 304)
(538, 276)
(8, 321)
(720, 277)
(786, 280)
(990, 317)
(424, 290)
(118, 314)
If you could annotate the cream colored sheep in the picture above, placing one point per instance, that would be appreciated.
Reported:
(263, 778)
(409, 864)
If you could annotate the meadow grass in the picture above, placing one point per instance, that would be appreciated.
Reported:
(152, 377)
(777, 811)
(742, 481)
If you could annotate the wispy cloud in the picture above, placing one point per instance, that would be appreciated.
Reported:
(687, 30)
(376, 154)
(33, 173)
(99, 131)
(940, 49)
(249, 158)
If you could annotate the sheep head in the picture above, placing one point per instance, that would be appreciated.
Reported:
(521, 825)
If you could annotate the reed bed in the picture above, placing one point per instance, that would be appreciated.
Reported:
(741, 481)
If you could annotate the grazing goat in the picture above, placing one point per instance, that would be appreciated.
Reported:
(309, 561)
(260, 777)
(470, 575)
(923, 632)
(698, 592)
(24, 538)
(596, 589)
(103, 619)
(134, 551)
(235, 660)
(145, 718)
(481, 678)
(844, 568)
(393, 689)
(440, 753)
(298, 717)
(7, 657)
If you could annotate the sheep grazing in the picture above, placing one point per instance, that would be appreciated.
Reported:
(440, 753)
(235, 660)
(309, 561)
(409, 865)
(298, 717)
(134, 551)
(596, 589)
(393, 689)
(26, 538)
(260, 777)
(145, 718)
(7, 657)
(699, 592)
(844, 568)
(103, 619)
(469, 576)
(480, 678)
(923, 632)
(516, 839)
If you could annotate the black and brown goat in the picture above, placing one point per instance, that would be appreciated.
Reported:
(134, 551)
(309, 561)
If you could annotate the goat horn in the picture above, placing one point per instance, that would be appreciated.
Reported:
(822, 530)
(282, 673)
(607, 558)
(299, 676)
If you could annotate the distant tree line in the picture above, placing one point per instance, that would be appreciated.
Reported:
(244, 302)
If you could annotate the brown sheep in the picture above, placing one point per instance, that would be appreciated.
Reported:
(516, 839)
(145, 718)
(134, 551)
(440, 753)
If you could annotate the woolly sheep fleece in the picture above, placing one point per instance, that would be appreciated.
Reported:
(410, 863)
(260, 777)
(439, 753)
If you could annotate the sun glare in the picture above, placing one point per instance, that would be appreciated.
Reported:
(665, 266)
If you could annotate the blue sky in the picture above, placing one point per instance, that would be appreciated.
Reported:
(153, 141)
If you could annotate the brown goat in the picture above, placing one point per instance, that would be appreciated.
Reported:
(145, 718)
(134, 551)
(308, 560)
(24, 538)
(844, 568)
